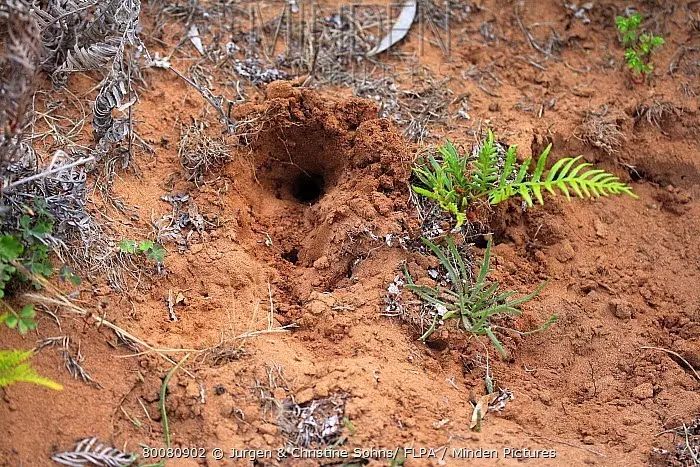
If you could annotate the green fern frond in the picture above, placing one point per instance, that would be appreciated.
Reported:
(454, 163)
(486, 166)
(454, 185)
(471, 303)
(15, 369)
(567, 175)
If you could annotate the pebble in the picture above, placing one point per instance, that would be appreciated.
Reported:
(643, 391)
(565, 252)
(322, 263)
(622, 309)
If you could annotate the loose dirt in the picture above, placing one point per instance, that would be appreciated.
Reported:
(287, 288)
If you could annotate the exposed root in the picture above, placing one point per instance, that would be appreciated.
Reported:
(199, 153)
(656, 112)
(601, 130)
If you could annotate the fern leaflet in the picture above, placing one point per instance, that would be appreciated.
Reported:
(15, 369)
(486, 165)
(566, 175)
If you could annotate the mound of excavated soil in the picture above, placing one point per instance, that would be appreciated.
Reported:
(278, 290)
(327, 177)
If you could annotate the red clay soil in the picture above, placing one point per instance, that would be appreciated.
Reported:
(304, 209)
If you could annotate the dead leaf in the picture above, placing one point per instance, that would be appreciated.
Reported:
(481, 409)
(193, 35)
(399, 30)
(179, 298)
(494, 402)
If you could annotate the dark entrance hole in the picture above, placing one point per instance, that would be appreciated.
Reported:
(480, 241)
(308, 187)
(292, 255)
(437, 344)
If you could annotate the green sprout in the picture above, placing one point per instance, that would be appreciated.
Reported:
(638, 46)
(471, 303)
(153, 251)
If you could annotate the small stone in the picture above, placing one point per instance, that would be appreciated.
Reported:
(622, 309)
(541, 257)
(268, 429)
(192, 390)
(322, 263)
(565, 252)
(317, 307)
(546, 397)
(196, 248)
(599, 228)
(643, 391)
(304, 396)
(228, 409)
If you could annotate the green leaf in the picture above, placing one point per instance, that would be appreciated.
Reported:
(156, 253)
(26, 320)
(423, 192)
(43, 269)
(127, 246)
(11, 321)
(15, 369)
(145, 245)
(10, 248)
(22, 321)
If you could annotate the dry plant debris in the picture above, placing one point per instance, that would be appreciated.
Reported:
(316, 423)
(686, 439)
(601, 129)
(199, 153)
(72, 359)
(656, 112)
(90, 451)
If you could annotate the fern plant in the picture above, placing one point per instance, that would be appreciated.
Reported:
(472, 303)
(638, 47)
(14, 368)
(454, 182)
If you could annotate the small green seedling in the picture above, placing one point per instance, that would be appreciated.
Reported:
(153, 251)
(24, 253)
(638, 46)
(472, 303)
(23, 320)
(14, 368)
(454, 181)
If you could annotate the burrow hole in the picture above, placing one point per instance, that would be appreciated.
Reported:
(308, 188)
(291, 255)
